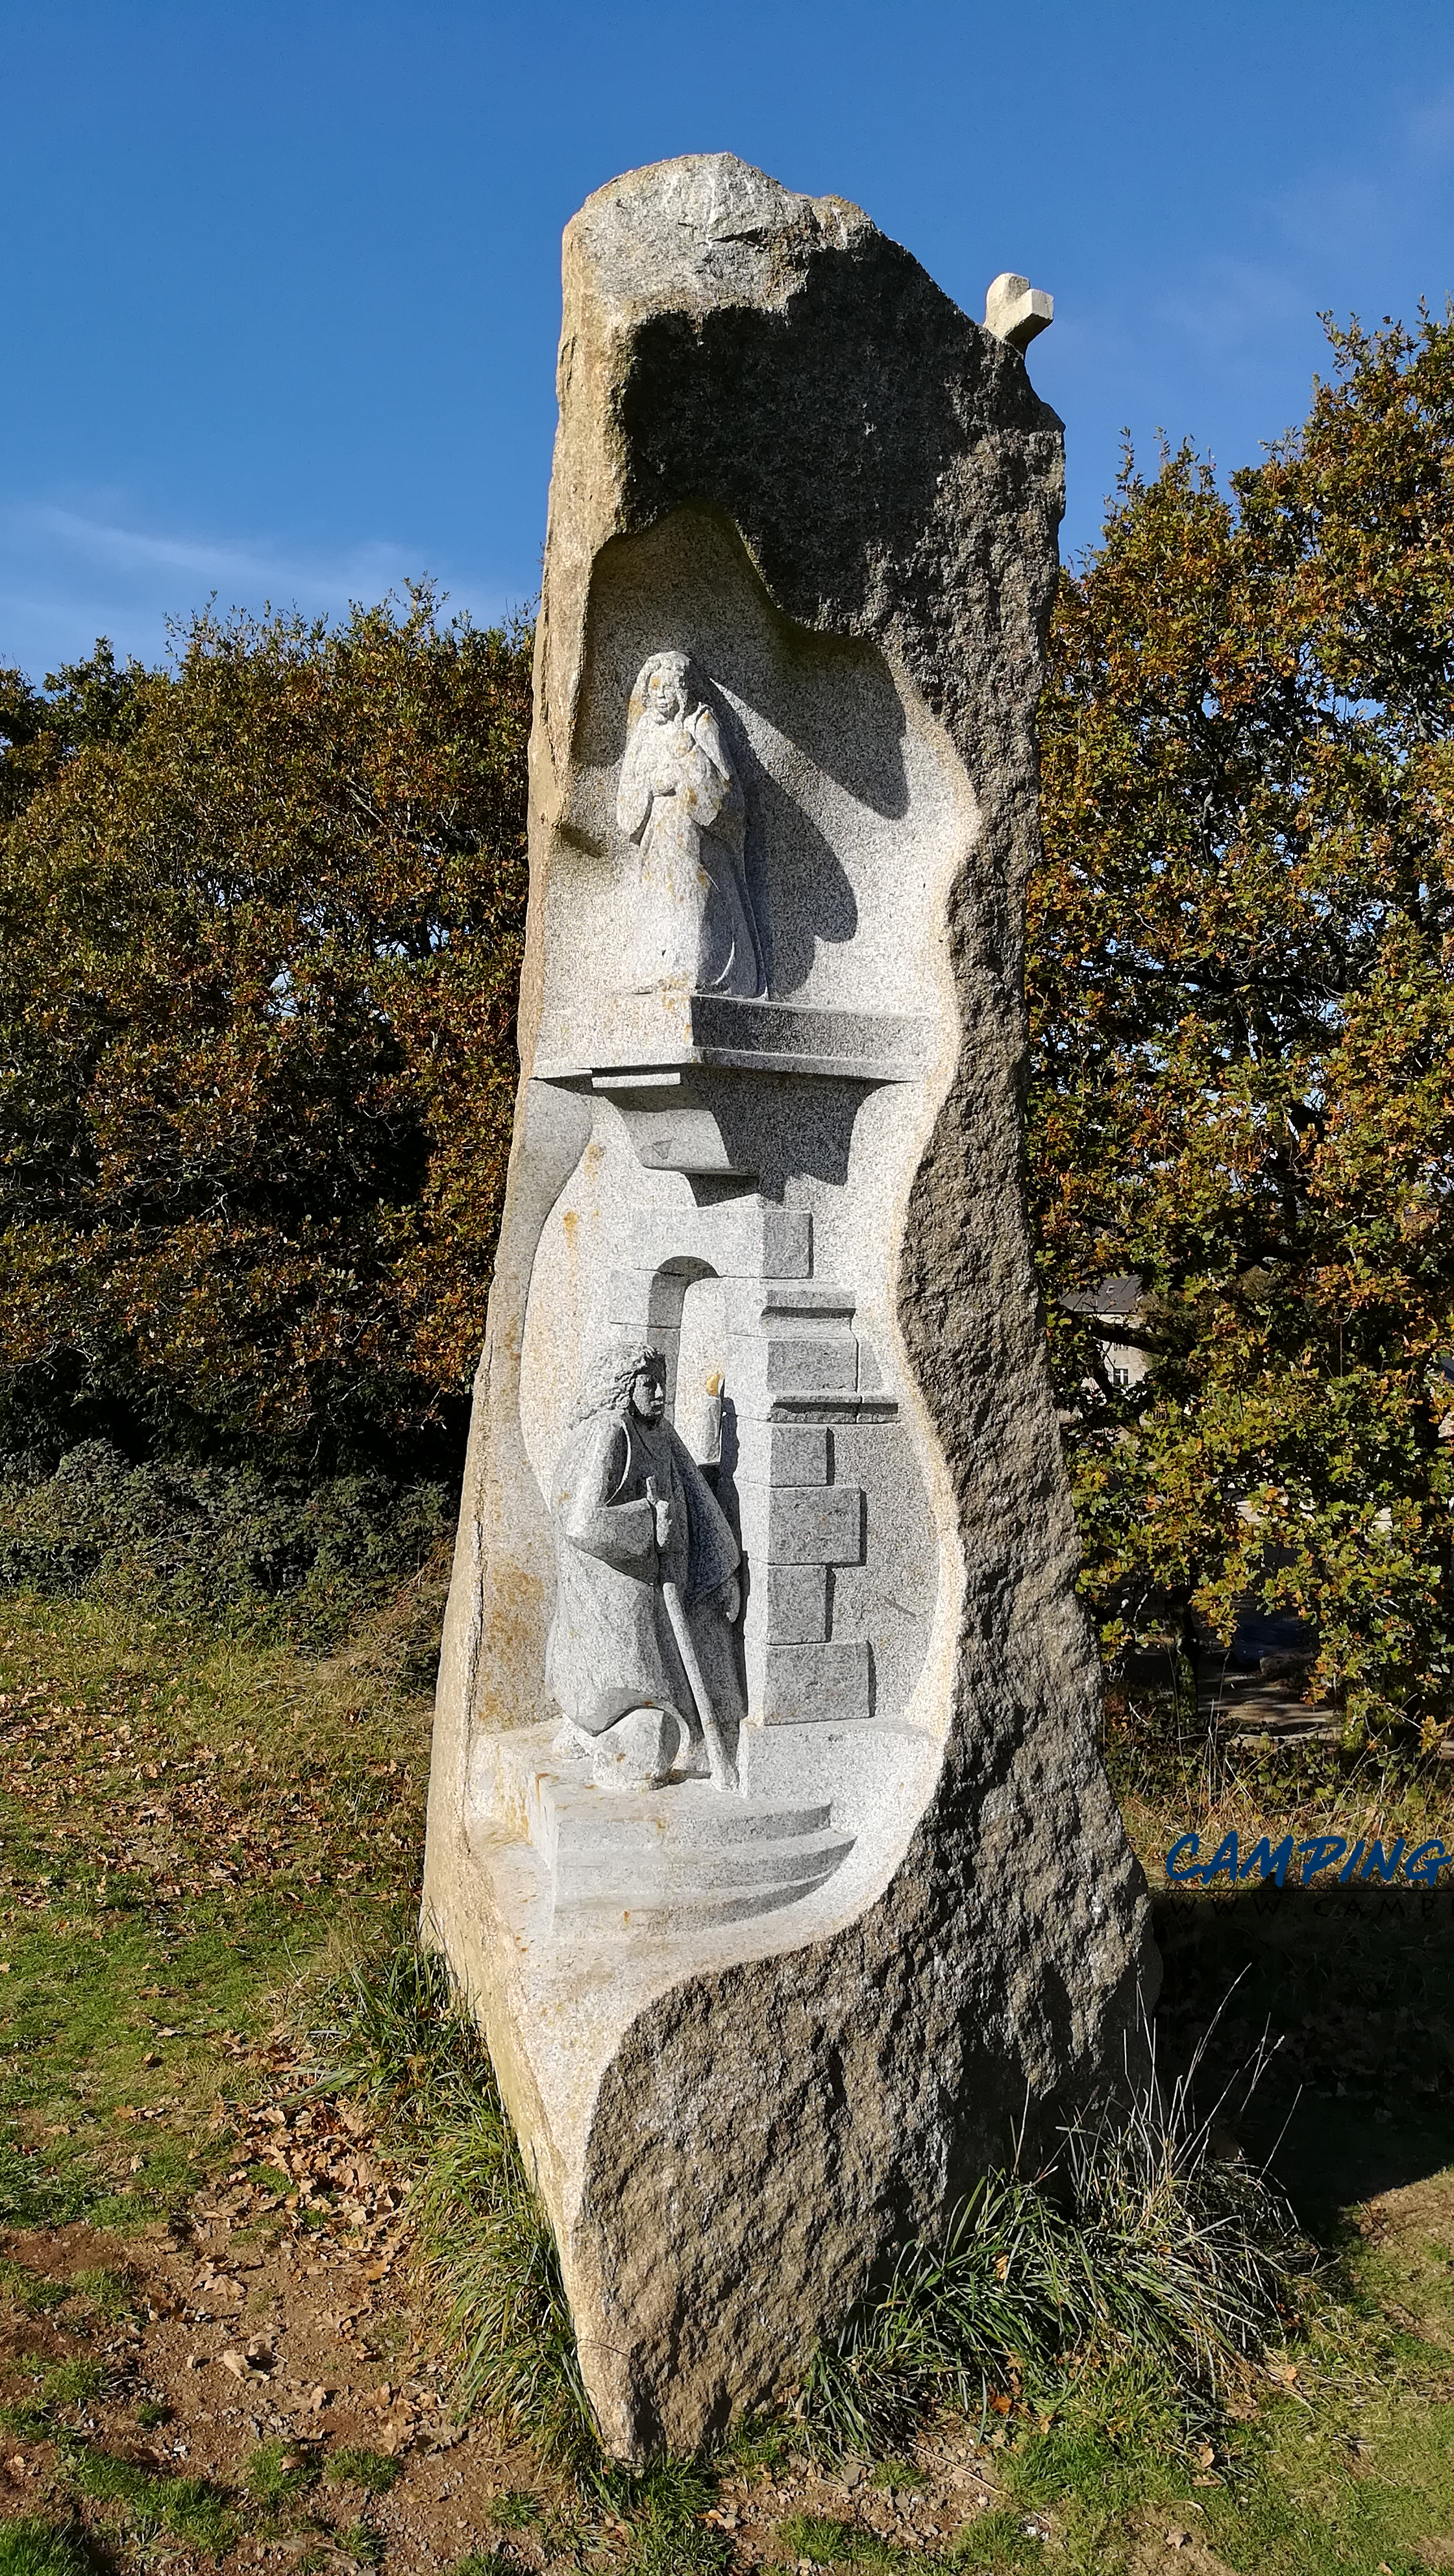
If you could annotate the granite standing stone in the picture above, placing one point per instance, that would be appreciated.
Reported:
(767, 1829)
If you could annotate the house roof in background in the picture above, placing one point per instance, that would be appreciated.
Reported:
(1111, 1299)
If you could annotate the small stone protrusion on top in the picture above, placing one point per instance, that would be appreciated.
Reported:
(1016, 311)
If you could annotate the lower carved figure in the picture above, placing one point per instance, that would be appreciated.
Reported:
(646, 1586)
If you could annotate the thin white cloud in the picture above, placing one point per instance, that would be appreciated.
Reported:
(1374, 205)
(1234, 305)
(213, 561)
(68, 575)
(1335, 206)
(1430, 129)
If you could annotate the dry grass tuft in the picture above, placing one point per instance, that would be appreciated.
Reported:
(1143, 2244)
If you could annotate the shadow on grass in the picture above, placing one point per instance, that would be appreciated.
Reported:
(1358, 1988)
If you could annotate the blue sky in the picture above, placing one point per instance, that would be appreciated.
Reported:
(282, 282)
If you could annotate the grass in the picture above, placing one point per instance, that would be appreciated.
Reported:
(188, 1824)
(1141, 2248)
(57, 2388)
(189, 1827)
(821, 2537)
(280, 2472)
(103, 2295)
(72, 2383)
(490, 2273)
(1160, 2253)
(363, 2545)
(663, 2507)
(999, 2541)
(1115, 2326)
(190, 2510)
(492, 2267)
(994, 2540)
(392, 2031)
(185, 1825)
(31, 2547)
(515, 2510)
(374, 2470)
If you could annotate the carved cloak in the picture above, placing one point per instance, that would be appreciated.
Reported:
(611, 1648)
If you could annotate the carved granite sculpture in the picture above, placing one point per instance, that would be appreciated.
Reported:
(767, 1828)
(679, 799)
(646, 1588)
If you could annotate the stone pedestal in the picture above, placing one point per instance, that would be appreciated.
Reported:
(759, 2022)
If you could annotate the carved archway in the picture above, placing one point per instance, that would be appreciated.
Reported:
(687, 1317)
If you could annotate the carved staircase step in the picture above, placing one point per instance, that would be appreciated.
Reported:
(665, 1860)
(705, 1887)
(739, 1866)
(685, 1816)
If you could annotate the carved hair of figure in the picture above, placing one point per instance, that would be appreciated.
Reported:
(680, 801)
(607, 1380)
(633, 1511)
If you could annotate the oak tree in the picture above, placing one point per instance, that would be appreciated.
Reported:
(1241, 968)
(260, 926)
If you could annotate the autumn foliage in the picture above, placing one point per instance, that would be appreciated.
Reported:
(260, 927)
(262, 921)
(1242, 990)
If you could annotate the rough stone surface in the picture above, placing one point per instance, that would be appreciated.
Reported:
(752, 2038)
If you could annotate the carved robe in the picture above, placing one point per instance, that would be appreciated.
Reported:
(611, 1646)
(680, 801)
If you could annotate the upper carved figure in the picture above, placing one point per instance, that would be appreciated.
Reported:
(681, 802)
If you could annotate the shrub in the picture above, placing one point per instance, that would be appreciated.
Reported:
(255, 1553)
